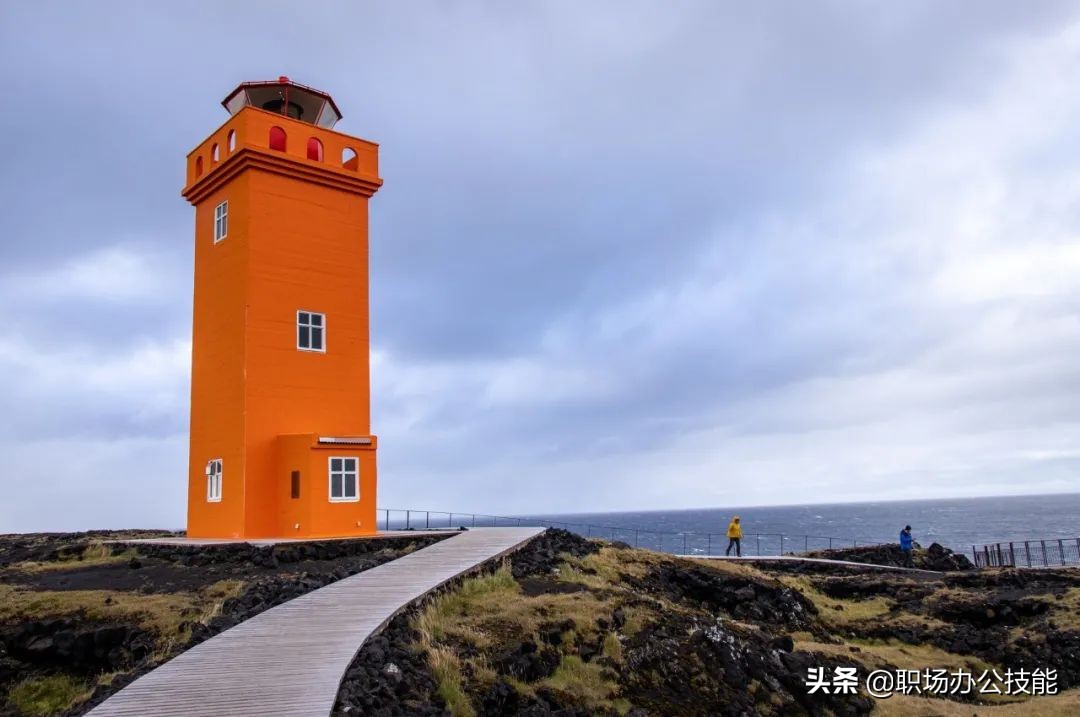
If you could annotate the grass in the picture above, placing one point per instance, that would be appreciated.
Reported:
(96, 553)
(839, 612)
(446, 667)
(587, 682)
(162, 613)
(442, 619)
(879, 654)
(480, 594)
(1066, 611)
(40, 696)
(613, 648)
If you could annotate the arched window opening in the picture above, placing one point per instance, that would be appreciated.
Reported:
(198, 166)
(314, 149)
(277, 139)
(232, 140)
(348, 159)
(214, 153)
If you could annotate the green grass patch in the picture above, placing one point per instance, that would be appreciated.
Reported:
(587, 682)
(95, 553)
(41, 696)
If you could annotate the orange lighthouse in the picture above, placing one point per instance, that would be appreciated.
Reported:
(281, 442)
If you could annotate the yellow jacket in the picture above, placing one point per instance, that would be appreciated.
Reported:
(734, 530)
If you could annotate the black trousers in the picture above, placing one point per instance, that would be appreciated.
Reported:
(734, 543)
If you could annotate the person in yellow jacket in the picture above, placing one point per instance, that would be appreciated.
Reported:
(734, 534)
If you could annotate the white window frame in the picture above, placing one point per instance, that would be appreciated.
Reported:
(309, 326)
(344, 472)
(213, 480)
(221, 221)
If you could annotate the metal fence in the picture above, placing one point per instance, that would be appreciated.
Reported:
(678, 542)
(1056, 552)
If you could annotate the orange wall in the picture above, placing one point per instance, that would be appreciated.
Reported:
(313, 511)
(297, 240)
(217, 365)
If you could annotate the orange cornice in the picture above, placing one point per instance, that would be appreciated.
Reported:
(277, 163)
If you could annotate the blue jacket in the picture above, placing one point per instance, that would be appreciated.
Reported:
(905, 540)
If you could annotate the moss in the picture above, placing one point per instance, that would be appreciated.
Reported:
(612, 648)
(96, 553)
(587, 682)
(47, 695)
(161, 613)
(839, 612)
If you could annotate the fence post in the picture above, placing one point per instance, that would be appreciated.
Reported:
(999, 555)
(684, 544)
(1045, 563)
(427, 520)
(1027, 550)
(1012, 556)
(759, 546)
(830, 544)
(1061, 550)
(986, 551)
(974, 556)
(408, 519)
(781, 543)
(709, 552)
(635, 537)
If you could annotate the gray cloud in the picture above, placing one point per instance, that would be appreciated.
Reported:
(622, 250)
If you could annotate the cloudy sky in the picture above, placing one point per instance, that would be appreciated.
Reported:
(627, 255)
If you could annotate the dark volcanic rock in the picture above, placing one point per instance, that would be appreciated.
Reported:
(936, 557)
(544, 553)
(740, 597)
(77, 645)
(732, 673)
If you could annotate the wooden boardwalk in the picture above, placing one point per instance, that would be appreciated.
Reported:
(290, 659)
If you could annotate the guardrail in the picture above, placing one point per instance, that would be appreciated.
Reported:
(1055, 552)
(668, 541)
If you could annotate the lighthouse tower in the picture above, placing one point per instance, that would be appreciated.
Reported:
(281, 443)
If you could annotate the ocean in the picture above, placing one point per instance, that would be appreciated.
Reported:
(955, 523)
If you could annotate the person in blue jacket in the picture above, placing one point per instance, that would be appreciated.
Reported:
(906, 543)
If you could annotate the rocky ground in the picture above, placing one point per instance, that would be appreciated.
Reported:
(575, 627)
(936, 557)
(81, 617)
(566, 626)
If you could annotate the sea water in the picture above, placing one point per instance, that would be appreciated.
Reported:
(955, 523)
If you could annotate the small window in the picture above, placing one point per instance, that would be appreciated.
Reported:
(213, 481)
(198, 166)
(277, 139)
(349, 159)
(314, 149)
(215, 153)
(310, 331)
(232, 140)
(221, 221)
(344, 480)
(295, 485)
